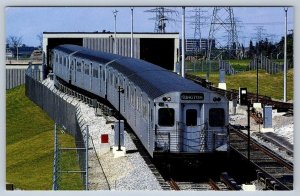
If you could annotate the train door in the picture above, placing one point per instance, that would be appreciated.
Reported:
(70, 69)
(74, 70)
(191, 127)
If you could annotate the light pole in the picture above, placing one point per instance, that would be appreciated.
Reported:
(131, 40)
(183, 43)
(257, 61)
(17, 52)
(248, 130)
(120, 90)
(285, 56)
(115, 36)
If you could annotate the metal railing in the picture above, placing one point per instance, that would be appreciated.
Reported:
(193, 140)
(100, 108)
(200, 139)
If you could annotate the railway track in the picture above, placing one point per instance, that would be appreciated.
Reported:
(277, 141)
(233, 94)
(275, 172)
(224, 184)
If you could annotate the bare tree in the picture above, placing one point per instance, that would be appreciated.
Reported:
(14, 42)
(40, 38)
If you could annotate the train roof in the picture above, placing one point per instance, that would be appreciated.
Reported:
(152, 79)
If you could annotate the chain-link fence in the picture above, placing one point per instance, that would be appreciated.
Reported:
(63, 112)
(270, 66)
(65, 164)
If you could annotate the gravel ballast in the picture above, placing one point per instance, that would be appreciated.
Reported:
(129, 172)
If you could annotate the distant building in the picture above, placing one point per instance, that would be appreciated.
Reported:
(192, 45)
(8, 53)
(36, 55)
(159, 48)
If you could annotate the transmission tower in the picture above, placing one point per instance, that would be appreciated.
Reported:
(260, 35)
(198, 21)
(161, 18)
(222, 24)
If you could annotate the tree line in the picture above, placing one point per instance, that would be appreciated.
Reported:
(272, 50)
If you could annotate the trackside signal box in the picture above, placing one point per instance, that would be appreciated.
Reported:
(116, 129)
(243, 96)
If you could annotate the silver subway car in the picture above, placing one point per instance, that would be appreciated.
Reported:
(169, 114)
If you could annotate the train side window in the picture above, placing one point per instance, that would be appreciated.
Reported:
(78, 67)
(191, 117)
(166, 117)
(127, 92)
(103, 74)
(151, 115)
(116, 81)
(86, 69)
(56, 57)
(67, 62)
(216, 117)
(100, 71)
(72, 65)
(132, 95)
(145, 109)
(121, 81)
(95, 73)
(111, 79)
(82, 66)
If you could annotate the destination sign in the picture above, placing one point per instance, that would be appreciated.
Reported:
(192, 96)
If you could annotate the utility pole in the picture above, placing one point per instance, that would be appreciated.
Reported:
(285, 56)
(115, 36)
(120, 90)
(183, 44)
(131, 40)
(248, 130)
(87, 159)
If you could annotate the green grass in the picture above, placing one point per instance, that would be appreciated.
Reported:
(239, 65)
(269, 85)
(30, 146)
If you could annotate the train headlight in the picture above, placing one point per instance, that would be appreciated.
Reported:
(166, 98)
(216, 99)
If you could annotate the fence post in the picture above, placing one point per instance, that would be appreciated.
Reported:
(87, 159)
(55, 164)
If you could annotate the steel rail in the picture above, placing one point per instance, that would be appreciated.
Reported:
(213, 185)
(269, 153)
(173, 185)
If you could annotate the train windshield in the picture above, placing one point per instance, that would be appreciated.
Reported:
(166, 117)
(216, 117)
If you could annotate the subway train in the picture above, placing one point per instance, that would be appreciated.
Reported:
(172, 117)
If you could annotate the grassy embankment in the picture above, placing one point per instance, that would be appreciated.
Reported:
(269, 85)
(30, 146)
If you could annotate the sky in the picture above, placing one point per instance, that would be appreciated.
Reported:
(28, 22)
